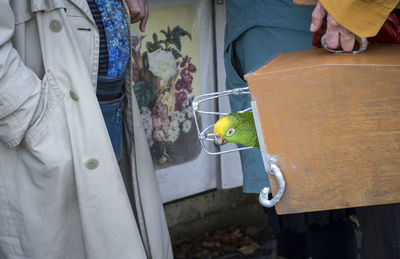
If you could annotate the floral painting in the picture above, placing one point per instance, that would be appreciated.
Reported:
(165, 75)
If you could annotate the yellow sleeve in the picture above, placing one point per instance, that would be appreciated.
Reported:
(363, 18)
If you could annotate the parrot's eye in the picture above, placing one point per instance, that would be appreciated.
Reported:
(230, 132)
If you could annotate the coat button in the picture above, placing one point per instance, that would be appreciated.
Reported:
(92, 164)
(74, 95)
(55, 25)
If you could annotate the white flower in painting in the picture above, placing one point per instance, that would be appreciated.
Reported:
(171, 138)
(172, 134)
(145, 113)
(136, 40)
(162, 64)
(175, 115)
(187, 125)
(189, 112)
(149, 138)
(186, 103)
(174, 125)
(179, 116)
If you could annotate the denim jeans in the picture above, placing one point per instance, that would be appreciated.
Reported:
(112, 110)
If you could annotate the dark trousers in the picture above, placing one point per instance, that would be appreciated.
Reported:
(333, 241)
(380, 226)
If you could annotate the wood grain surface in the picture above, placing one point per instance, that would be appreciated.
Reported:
(334, 122)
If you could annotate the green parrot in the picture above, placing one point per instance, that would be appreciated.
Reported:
(236, 128)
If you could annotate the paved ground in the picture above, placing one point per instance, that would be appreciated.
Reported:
(233, 243)
(267, 251)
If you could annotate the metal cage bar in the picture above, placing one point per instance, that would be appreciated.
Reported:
(204, 136)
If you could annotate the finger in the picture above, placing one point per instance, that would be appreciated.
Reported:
(317, 17)
(346, 39)
(144, 20)
(135, 16)
(332, 33)
(143, 24)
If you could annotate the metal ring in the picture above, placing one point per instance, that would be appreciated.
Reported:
(362, 41)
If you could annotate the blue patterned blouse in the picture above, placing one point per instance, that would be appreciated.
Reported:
(117, 35)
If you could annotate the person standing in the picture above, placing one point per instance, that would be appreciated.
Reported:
(379, 224)
(256, 31)
(76, 177)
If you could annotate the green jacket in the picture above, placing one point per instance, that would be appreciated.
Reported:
(255, 32)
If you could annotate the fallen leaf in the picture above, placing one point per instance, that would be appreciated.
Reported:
(183, 250)
(249, 249)
(221, 242)
(247, 240)
(209, 244)
(219, 234)
(229, 248)
(252, 230)
(236, 233)
(354, 219)
(204, 254)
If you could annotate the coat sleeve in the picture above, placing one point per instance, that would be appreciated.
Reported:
(19, 85)
(363, 18)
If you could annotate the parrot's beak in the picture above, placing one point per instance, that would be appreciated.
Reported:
(218, 140)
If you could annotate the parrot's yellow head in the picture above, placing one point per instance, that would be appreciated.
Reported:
(222, 129)
(236, 128)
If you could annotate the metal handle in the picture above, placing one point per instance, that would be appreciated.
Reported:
(263, 198)
(270, 165)
(362, 41)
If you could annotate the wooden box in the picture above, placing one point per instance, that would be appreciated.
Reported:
(334, 122)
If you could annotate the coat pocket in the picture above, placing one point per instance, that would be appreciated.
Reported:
(46, 177)
(48, 108)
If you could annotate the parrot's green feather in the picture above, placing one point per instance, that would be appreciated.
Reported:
(244, 129)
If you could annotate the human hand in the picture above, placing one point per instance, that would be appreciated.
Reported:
(139, 11)
(336, 35)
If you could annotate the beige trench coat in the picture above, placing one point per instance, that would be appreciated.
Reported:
(61, 190)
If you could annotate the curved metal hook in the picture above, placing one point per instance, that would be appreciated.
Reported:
(263, 198)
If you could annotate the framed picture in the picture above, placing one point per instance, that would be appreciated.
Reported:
(174, 61)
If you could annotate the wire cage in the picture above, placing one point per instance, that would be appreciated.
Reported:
(206, 137)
